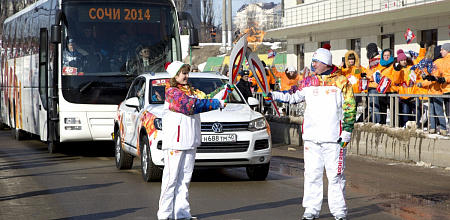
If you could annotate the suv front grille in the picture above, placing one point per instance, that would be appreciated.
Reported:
(223, 147)
(227, 126)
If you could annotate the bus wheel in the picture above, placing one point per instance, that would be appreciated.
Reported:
(18, 134)
(150, 172)
(52, 147)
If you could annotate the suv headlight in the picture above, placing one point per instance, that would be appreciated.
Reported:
(158, 123)
(257, 124)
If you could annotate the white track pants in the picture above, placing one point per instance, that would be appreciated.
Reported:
(332, 157)
(178, 168)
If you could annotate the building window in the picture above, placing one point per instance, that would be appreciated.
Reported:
(355, 45)
(323, 43)
(429, 36)
(387, 42)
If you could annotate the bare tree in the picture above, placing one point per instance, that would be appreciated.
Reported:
(179, 4)
(10, 7)
(207, 18)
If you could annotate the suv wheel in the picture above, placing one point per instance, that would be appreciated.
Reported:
(150, 172)
(123, 159)
(258, 172)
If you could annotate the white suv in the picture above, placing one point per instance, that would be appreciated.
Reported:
(235, 136)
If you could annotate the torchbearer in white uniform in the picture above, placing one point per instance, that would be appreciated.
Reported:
(181, 137)
(328, 122)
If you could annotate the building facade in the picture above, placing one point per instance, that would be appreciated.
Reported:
(266, 15)
(353, 24)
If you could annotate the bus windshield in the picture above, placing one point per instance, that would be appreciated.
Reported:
(106, 44)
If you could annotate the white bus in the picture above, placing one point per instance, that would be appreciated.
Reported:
(67, 64)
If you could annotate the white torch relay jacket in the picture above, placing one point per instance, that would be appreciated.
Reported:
(330, 107)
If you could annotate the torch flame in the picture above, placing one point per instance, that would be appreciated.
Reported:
(254, 36)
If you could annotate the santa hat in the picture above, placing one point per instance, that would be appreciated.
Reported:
(323, 55)
(401, 55)
(174, 67)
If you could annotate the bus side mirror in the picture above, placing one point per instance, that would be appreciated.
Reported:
(193, 33)
(193, 37)
(56, 34)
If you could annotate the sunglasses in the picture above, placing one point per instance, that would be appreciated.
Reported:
(145, 51)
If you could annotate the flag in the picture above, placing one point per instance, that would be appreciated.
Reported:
(271, 54)
(383, 85)
(409, 36)
(246, 62)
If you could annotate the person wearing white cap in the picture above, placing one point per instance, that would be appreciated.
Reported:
(181, 137)
(288, 78)
(328, 122)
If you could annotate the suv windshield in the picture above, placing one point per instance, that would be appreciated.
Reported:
(106, 44)
(206, 85)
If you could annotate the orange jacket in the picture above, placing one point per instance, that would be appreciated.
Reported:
(370, 71)
(270, 80)
(406, 85)
(354, 70)
(443, 70)
(286, 83)
(421, 56)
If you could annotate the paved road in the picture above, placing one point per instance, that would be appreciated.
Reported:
(81, 182)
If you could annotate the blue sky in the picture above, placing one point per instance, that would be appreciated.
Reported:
(236, 4)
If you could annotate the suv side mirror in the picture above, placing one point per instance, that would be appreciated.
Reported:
(132, 102)
(252, 101)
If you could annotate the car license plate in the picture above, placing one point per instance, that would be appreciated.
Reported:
(218, 138)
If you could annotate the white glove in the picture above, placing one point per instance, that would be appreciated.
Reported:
(222, 104)
(346, 136)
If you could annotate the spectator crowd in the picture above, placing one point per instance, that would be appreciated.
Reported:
(426, 72)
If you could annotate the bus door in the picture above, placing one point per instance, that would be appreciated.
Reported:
(43, 84)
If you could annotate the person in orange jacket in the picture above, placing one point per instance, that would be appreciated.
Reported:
(406, 79)
(353, 70)
(269, 76)
(374, 59)
(442, 72)
(289, 77)
(430, 73)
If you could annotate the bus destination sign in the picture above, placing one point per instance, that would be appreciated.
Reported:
(115, 14)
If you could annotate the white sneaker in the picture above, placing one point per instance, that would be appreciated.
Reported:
(340, 217)
(308, 216)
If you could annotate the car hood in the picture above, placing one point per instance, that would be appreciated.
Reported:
(232, 113)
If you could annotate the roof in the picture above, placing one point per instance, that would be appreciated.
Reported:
(263, 6)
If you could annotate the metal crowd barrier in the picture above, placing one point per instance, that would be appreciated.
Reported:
(393, 114)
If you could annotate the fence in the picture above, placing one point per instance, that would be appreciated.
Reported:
(393, 115)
